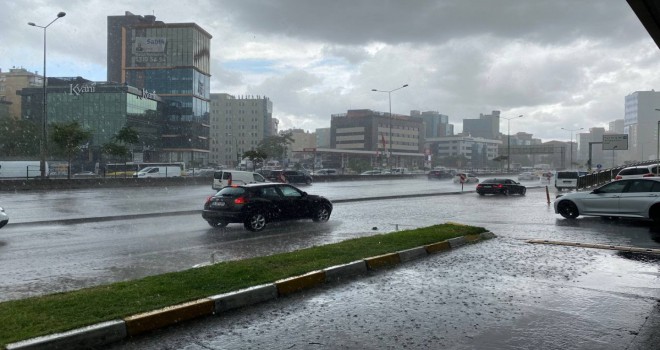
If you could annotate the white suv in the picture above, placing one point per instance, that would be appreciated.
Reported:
(637, 172)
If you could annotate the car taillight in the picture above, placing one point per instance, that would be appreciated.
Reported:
(648, 175)
(618, 177)
(499, 186)
(208, 200)
(240, 200)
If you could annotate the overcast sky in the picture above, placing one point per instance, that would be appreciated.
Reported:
(562, 63)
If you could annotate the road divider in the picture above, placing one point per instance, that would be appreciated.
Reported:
(114, 331)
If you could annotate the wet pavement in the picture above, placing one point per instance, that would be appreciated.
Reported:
(501, 294)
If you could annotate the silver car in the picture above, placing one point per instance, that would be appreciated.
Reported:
(633, 198)
(4, 218)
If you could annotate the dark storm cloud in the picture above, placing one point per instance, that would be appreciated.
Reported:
(356, 22)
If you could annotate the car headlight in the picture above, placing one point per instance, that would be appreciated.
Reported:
(2, 209)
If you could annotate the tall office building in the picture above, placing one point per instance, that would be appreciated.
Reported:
(171, 60)
(641, 124)
(435, 124)
(238, 124)
(487, 126)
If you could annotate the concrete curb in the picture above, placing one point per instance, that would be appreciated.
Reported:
(114, 331)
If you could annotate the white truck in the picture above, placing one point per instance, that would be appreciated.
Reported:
(158, 171)
(21, 169)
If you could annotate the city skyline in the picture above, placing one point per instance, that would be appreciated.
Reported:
(561, 64)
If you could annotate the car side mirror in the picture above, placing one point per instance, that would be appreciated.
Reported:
(304, 194)
(596, 191)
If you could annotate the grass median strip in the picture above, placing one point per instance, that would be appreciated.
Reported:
(32, 317)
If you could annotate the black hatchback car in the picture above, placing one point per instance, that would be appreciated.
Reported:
(255, 205)
(500, 186)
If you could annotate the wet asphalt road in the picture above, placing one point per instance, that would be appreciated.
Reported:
(500, 294)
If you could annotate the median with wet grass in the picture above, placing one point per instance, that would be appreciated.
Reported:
(128, 304)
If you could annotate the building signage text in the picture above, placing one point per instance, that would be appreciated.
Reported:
(77, 89)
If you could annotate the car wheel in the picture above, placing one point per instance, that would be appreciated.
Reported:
(654, 213)
(255, 222)
(218, 223)
(568, 209)
(505, 191)
(321, 214)
(3, 223)
(523, 191)
(481, 193)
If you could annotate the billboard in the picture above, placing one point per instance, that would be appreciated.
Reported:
(616, 142)
(149, 45)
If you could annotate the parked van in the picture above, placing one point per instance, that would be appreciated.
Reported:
(567, 179)
(158, 171)
(223, 178)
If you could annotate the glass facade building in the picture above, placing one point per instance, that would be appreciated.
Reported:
(171, 60)
(102, 108)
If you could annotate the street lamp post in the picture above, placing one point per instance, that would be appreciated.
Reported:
(508, 141)
(571, 131)
(42, 163)
(389, 96)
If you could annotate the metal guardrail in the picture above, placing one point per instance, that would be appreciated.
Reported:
(604, 176)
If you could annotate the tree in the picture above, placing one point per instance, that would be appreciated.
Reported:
(120, 142)
(275, 146)
(19, 138)
(69, 136)
(254, 156)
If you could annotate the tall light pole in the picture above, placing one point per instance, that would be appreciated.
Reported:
(571, 130)
(389, 96)
(44, 136)
(508, 141)
(657, 152)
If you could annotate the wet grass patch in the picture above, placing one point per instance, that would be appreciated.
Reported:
(32, 317)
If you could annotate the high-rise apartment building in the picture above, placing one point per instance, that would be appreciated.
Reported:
(237, 125)
(171, 60)
(13, 81)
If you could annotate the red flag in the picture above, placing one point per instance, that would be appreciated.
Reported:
(383, 137)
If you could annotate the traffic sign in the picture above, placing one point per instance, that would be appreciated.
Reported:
(463, 177)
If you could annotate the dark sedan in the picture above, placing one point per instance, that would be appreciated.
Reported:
(255, 205)
(290, 176)
(500, 186)
(440, 174)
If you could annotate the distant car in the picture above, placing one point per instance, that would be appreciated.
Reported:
(326, 172)
(568, 179)
(528, 176)
(631, 198)
(372, 172)
(255, 205)
(637, 172)
(291, 176)
(4, 218)
(465, 178)
(500, 186)
(439, 174)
